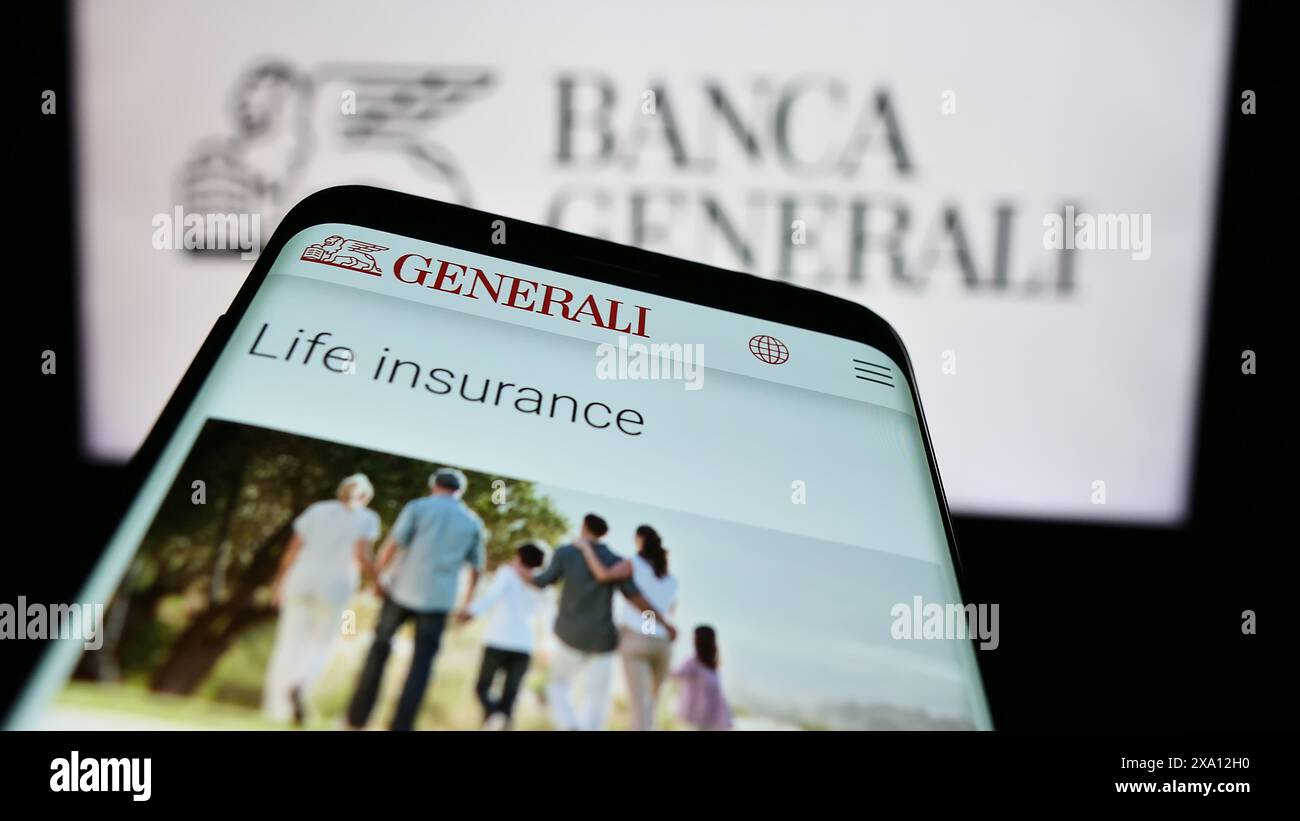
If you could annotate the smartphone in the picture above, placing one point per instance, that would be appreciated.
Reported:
(437, 468)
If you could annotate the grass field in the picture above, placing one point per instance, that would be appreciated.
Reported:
(231, 698)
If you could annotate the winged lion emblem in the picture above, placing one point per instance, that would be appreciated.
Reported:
(345, 253)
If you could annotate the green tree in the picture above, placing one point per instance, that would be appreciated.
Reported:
(209, 566)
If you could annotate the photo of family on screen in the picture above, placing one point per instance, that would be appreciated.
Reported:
(288, 582)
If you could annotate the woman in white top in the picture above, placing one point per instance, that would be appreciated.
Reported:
(643, 644)
(322, 567)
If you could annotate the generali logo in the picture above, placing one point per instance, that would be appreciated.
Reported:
(279, 143)
(507, 290)
(345, 253)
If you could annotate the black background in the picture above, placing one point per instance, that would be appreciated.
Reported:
(1102, 627)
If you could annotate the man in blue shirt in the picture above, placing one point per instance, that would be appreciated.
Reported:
(431, 540)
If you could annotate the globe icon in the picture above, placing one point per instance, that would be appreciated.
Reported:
(769, 349)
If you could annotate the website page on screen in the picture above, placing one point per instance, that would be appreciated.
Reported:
(393, 421)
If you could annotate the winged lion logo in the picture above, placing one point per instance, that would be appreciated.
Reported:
(340, 252)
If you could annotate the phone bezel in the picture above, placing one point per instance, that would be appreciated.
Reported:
(551, 248)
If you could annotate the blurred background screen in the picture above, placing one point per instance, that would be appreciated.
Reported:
(912, 161)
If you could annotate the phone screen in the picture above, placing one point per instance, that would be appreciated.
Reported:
(394, 421)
